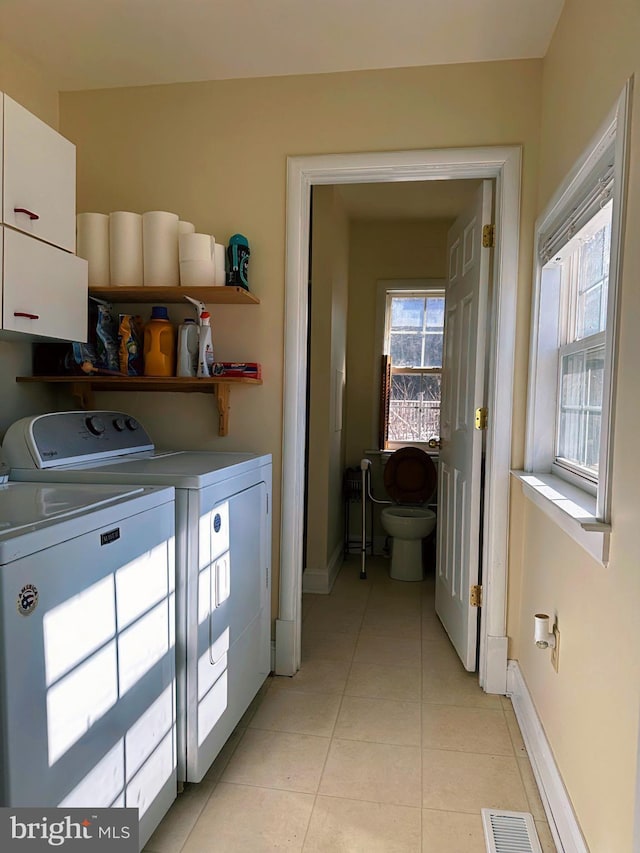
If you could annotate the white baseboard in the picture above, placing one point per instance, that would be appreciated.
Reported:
(555, 799)
(321, 581)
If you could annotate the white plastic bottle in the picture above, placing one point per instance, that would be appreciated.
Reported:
(188, 336)
(205, 348)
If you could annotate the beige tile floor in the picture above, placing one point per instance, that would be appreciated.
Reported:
(382, 743)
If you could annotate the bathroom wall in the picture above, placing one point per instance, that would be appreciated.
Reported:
(327, 375)
(381, 249)
(26, 83)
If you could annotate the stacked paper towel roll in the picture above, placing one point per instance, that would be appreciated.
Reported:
(160, 249)
(197, 265)
(93, 245)
(220, 257)
(125, 249)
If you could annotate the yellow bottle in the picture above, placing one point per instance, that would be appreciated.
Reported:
(159, 344)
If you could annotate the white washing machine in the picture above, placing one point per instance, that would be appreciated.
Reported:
(87, 681)
(223, 556)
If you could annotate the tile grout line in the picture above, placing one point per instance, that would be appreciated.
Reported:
(342, 695)
(222, 770)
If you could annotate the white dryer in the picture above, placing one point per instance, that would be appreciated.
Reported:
(223, 556)
(87, 676)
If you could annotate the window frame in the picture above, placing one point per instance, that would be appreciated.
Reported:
(387, 288)
(549, 315)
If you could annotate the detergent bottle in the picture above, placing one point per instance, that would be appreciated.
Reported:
(159, 344)
(188, 337)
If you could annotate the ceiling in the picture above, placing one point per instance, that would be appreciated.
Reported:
(408, 199)
(88, 44)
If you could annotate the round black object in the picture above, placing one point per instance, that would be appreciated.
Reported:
(410, 476)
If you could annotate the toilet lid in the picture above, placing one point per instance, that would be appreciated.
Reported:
(410, 476)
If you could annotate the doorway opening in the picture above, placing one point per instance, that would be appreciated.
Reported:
(503, 165)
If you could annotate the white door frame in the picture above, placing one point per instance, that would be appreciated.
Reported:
(504, 165)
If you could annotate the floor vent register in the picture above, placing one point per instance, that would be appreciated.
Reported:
(510, 832)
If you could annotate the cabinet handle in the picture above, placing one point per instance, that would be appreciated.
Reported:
(25, 314)
(29, 213)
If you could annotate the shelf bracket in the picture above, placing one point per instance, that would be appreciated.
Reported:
(222, 396)
(83, 394)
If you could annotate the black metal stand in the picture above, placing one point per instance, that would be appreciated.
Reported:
(352, 494)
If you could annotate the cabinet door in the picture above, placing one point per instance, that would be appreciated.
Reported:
(45, 289)
(39, 178)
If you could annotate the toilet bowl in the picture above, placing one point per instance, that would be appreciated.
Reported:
(410, 478)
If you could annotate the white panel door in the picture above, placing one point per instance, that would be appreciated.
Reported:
(460, 469)
(39, 178)
(45, 289)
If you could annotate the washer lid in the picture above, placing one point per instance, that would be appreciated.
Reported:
(410, 476)
(29, 505)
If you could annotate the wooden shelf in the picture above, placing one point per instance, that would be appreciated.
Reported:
(227, 295)
(83, 388)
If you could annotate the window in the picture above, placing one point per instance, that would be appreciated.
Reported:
(413, 335)
(574, 324)
(584, 276)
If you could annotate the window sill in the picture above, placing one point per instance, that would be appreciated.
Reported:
(571, 508)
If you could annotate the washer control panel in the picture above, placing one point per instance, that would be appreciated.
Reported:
(60, 438)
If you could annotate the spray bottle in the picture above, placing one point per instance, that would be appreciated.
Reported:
(205, 344)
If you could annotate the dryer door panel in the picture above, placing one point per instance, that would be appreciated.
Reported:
(230, 607)
(238, 566)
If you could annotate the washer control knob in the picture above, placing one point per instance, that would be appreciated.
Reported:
(132, 424)
(119, 424)
(95, 425)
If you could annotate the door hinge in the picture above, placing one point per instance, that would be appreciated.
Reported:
(475, 599)
(488, 236)
(482, 417)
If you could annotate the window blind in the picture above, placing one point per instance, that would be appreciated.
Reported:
(594, 194)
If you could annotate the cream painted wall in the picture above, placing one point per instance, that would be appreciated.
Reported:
(28, 85)
(393, 249)
(216, 154)
(329, 297)
(590, 709)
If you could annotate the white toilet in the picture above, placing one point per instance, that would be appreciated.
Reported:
(410, 478)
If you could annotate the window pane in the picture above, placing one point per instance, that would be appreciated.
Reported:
(592, 448)
(591, 320)
(580, 415)
(415, 333)
(595, 376)
(593, 280)
(435, 312)
(407, 312)
(406, 349)
(432, 350)
(572, 379)
(570, 447)
(594, 256)
(414, 410)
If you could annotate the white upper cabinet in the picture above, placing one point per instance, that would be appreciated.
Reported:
(45, 290)
(39, 194)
